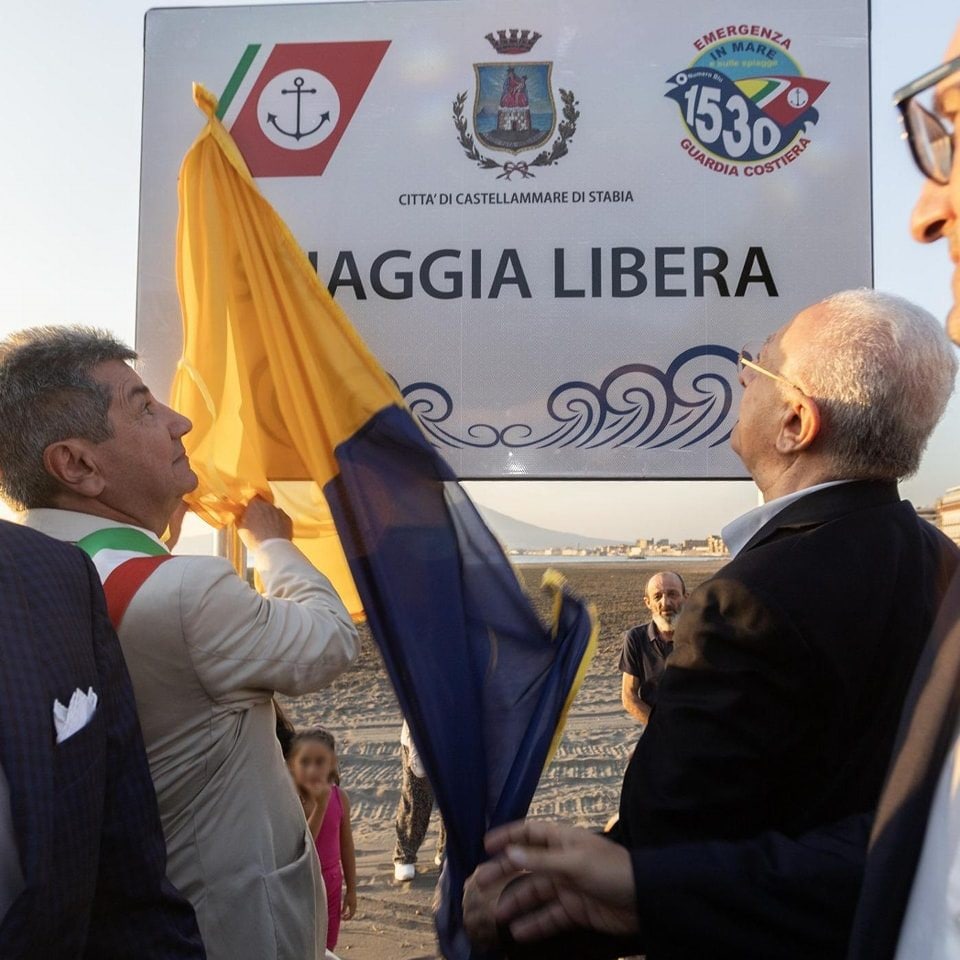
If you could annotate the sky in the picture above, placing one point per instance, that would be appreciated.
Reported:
(70, 169)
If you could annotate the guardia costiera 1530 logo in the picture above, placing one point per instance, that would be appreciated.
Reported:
(746, 105)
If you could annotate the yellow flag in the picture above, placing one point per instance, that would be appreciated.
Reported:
(267, 399)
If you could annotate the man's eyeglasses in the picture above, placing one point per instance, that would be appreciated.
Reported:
(746, 361)
(930, 137)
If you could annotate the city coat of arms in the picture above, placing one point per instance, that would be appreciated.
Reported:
(514, 110)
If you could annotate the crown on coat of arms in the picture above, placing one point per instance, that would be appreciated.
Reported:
(513, 41)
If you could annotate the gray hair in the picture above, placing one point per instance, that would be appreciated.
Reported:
(881, 370)
(47, 394)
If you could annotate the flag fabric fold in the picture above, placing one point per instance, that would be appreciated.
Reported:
(281, 388)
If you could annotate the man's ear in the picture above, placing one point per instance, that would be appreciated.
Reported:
(799, 425)
(71, 464)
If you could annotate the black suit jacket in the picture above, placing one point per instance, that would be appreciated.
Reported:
(776, 717)
(927, 732)
(84, 811)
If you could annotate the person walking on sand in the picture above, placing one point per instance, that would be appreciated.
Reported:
(413, 812)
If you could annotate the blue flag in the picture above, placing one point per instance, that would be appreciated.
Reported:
(483, 684)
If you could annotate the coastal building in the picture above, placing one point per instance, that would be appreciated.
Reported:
(948, 511)
(716, 546)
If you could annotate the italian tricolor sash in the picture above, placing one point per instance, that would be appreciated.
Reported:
(124, 558)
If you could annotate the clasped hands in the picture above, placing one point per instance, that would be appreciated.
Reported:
(543, 879)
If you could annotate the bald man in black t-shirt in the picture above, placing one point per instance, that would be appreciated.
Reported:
(647, 646)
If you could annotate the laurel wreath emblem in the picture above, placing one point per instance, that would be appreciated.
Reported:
(558, 149)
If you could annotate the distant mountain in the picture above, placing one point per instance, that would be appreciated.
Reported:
(516, 535)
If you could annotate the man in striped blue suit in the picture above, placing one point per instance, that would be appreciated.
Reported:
(82, 857)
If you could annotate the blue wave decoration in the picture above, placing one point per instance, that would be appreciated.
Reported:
(637, 405)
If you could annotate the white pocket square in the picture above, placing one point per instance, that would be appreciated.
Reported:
(76, 715)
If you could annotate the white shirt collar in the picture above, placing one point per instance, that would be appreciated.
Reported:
(737, 533)
(71, 525)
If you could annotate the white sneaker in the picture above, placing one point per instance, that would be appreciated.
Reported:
(404, 872)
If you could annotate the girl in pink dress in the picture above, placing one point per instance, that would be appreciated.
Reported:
(313, 764)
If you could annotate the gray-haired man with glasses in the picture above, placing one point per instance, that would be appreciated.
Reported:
(745, 810)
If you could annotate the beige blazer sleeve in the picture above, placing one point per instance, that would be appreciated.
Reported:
(294, 640)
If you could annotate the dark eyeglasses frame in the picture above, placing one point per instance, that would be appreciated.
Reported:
(902, 98)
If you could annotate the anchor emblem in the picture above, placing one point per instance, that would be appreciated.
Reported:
(298, 109)
(298, 134)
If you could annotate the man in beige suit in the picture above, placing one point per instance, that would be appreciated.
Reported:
(95, 459)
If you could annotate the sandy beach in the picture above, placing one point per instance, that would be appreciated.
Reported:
(582, 785)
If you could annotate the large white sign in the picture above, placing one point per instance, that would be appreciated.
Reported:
(555, 223)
